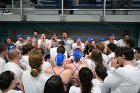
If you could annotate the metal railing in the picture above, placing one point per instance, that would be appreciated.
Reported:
(62, 9)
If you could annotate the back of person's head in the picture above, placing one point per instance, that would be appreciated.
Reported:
(26, 49)
(96, 56)
(40, 50)
(3, 48)
(130, 42)
(77, 54)
(127, 53)
(61, 43)
(112, 47)
(6, 79)
(101, 71)
(100, 46)
(59, 59)
(54, 85)
(35, 62)
(86, 76)
(61, 49)
(13, 54)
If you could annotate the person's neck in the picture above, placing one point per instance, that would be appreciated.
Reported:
(128, 63)
(98, 78)
(2, 56)
(10, 88)
(14, 61)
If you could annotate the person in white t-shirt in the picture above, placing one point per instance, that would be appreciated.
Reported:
(2, 57)
(111, 39)
(111, 49)
(100, 73)
(20, 41)
(79, 44)
(123, 76)
(54, 41)
(103, 47)
(44, 44)
(122, 42)
(136, 61)
(34, 80)
(86, 85)
(9, 83)
(14, 57)
(68, 42)
(26, 50)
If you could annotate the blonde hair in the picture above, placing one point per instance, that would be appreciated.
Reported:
(35, 62)
(13, 53)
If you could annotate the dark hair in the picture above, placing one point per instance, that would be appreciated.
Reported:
(54, 85)
(112, 47)
(96, 56)
(125, 34)
(101, 71)
(61, 43)
(6, 79)
(61, 49)
(26, 48)
(3, 47)
(66, 32)
(35, 61)
(86, 76)
(137, 49)
(128, 53)
(130, 42)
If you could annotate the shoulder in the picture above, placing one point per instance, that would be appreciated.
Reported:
(74, 89)
(96, 89)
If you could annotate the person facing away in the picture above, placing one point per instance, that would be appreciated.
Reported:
(34, 79)
(86, 85)
(9, 83)
(75, 66)
(14, 57)
(100, 73)
(3, 48)
(54, 85)
(123, 76)
(59, 69)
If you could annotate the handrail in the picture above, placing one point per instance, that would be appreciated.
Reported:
(74, 9)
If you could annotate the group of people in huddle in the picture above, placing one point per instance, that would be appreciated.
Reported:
(39, 65)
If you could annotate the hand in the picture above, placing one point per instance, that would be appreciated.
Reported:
(114, 63)
(20, 86)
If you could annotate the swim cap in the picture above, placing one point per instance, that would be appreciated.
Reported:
(59, 59)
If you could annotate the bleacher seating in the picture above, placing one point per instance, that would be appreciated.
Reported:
(82, 4)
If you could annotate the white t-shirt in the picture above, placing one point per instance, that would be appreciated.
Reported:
(105, 59)
(74, 46)
(47, 41)
(136, 62)
(24, 61)
(99, 83)
(14, 68)
(111, 55)
(19, 44)
(74, 89)
(68, 44)
(90, 64)
(46, 65)
(53, 52)
(34, 84)
(121, 43)
(13, 91)
(123, 79)
(107, 42)
(2, 64)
